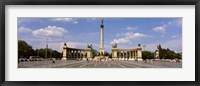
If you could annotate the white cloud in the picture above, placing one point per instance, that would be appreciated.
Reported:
(120, 40)
(162, 36)
(174, 36)
(72, 20)
(131, 35)
(23, 29)
(93, 18)
(22, 21)
(119, 34)
(72, 44)
(177, 22)
(132, 28)
(128, 36)
(160, 29)
(51, 31)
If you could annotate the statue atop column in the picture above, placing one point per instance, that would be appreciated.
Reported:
(102, 23)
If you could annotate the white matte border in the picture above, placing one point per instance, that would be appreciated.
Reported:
(186, 73)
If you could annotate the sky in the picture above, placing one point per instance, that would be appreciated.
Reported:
(78, 32)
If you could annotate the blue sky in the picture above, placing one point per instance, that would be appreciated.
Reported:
(78, 32)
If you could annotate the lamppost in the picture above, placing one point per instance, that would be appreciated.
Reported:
(144, 46)
(46, 48)
(37, 52)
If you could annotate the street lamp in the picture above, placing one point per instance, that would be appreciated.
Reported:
(46, 48)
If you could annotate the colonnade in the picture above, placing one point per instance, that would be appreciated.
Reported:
(126, 54)
(74, 53)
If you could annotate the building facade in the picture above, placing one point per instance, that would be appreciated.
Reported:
(126, 54)
(75, 53)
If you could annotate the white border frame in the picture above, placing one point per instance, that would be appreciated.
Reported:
(186, 73)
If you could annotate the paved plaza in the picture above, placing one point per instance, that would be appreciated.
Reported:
(99, 64)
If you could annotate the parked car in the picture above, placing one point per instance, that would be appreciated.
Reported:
(21, 59)
(36, 58)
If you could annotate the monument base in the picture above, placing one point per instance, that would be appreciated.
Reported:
(140, 59)
(115, 58)
(64, 58)
(101, 58)
(87, 58)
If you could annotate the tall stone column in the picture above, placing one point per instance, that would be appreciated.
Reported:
(102, 39)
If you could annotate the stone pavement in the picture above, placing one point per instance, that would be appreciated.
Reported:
(98, 64)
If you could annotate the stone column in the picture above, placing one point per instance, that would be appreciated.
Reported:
(102, 38)
(73, 56)
(134, 54)
(123, 55)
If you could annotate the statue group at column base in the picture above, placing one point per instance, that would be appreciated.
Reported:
(87, 58)
(64, 58)
(101, 58)
(133, 59)
(140, 59)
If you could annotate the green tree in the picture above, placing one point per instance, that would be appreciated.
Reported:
(56, 54)
(147, 55)
(50, 53)
(25, 50)
(168, 54)
(107, 54)
(95, 52)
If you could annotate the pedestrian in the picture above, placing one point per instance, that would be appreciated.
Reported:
(145, 60)
(53, 61)
(87, 60)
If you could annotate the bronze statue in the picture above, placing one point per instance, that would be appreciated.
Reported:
(102, 22)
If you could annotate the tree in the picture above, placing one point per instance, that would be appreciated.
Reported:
(24, 50)
(107, 54)
(147, 55)
(50, 53)
(168, 54)
(95, 52)
(56, 54)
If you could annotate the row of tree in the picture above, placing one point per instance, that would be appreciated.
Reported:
(162, 54)
(25, 50)
(169, 54)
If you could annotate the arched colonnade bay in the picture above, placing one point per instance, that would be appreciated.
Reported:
(75, 53)
(126, 54)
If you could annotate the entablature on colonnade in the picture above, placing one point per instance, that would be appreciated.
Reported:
(125, 49)
(78, 49)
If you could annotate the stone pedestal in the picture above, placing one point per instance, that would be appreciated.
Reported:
(64, 58)
(140, 59)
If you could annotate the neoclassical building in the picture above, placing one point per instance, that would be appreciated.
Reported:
(75, 53)
(126, 54)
